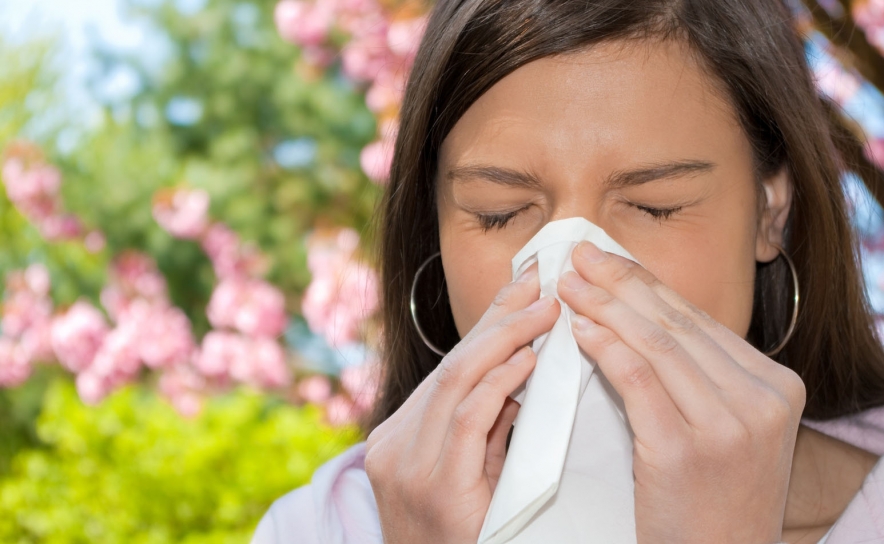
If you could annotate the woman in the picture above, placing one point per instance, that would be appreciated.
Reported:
(692, 133)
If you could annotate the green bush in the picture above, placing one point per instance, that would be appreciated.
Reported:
(133, 471)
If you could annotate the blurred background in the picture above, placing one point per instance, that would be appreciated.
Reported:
(187, 195)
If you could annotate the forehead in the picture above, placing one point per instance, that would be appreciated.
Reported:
(610, 104)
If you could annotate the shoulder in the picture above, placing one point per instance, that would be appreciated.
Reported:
(337, 507)
(865, 430)
(863, 520)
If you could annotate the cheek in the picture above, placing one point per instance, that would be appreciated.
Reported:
(717, 275)
(724, 292)
(473, 276)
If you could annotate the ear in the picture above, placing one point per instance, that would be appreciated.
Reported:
(774, 213)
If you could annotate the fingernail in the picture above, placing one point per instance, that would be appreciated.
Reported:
(582, 324)
(573, 281)
(520, 356)
(590, 252)
(541, 304)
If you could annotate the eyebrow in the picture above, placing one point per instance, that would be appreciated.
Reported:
(616, 180)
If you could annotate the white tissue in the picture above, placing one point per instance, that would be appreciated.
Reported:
(567, 476)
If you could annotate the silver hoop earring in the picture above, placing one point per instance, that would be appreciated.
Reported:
(795, 299)
(413, 305)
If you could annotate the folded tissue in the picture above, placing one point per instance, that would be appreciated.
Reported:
(567, 476)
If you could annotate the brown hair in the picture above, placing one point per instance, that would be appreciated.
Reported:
(754, 54)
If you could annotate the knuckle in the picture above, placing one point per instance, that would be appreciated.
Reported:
(463, 421)
(493, 379)
(598, 297)
(375, 465)
(638, 374)
(374, 437)
(676, 322)
(659, 341)
(502, 298)
(448, 373)
(701, 315)
(731, 434)
(678, 454)
(774, 413)
(796, 391)
(650, 280)
(622, 274)
(603, 339)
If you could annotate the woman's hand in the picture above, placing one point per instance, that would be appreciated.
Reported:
(715, 420)
(433, 464)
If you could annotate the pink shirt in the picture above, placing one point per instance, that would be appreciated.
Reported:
(338, 507)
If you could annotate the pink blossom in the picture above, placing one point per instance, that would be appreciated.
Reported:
(339, 411)
(182, 386)
(343, 291)
(60, 227)
(361, 17)
(165, 337)
(183, 212)
(94, 241)
(133, 275)
(14, 366)
(869, 15)
(376, 159)
(224, 249)
(386, 93)
(113, 300)
(264, 366)
(364, 57)
(33, 187)
(26, 185)
(219, 352)
(315, 389)
(77, 335)
(36, 341)
(92, 388)
(836, 82)
(26, 312)
(404, 37)
(361, 382)
(874, 150)
(37, 279)
(259, 361)
(118, 359)
(23, 308)
(253, 307)
(303, 23)
(318, 56)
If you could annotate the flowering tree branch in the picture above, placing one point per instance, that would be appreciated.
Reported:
(836, 21)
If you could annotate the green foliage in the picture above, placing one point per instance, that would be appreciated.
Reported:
(134, 471)
(228, 65)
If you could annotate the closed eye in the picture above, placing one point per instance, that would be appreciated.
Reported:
(488, 221)
(659, 213)
(496, 221)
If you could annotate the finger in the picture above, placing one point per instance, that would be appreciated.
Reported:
(513, 297)
(465, 447)
(735, 366)
(469, 362)
(689, 387)
(743, 353)
(619, 277)
(495, 451)
(652, 413)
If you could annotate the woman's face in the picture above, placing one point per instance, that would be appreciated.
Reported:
(633, 137)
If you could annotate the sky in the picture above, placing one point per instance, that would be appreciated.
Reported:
(78, 25)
